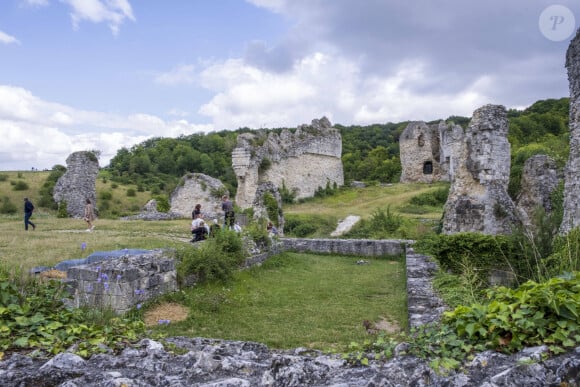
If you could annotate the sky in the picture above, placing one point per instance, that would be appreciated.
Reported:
(105, 74)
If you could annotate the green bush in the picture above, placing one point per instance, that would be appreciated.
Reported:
(3, 177)
(62, 211)
(162, 203)
(106, 195)
(7, 206)
(131, 192)
(46, 191)
(258, 233)
(435, 198)
(214, 259)
(20, 186)
(304, 225)
(272, 208)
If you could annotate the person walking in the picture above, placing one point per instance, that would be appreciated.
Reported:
(28, 209)
(229, 214)
(89, 215)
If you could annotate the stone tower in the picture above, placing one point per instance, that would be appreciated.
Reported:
(79, 183)
(420, 153)
(302, 161)
(478, 200)
(571, 218)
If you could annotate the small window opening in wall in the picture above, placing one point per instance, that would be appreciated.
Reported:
(427, 168)
(421, 140)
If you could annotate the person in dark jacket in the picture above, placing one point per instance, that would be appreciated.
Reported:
(28, 208)
(229, 214)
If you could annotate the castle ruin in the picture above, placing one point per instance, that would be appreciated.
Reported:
(426, 151)
(301, 161)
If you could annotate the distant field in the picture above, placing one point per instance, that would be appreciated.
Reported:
(58, 239)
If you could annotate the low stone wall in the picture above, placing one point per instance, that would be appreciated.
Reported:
(361, 247)
(124, 282)
(423, 304)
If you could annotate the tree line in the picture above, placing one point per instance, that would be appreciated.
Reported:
(370, 153)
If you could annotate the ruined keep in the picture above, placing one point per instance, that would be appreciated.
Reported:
(426, 151)
(302, 160)
(78, 183)
(571, 217)
(478, 200)
(539, 179)
(197, 188)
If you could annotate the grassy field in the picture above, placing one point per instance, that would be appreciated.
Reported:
(364, 201)
(299, 300)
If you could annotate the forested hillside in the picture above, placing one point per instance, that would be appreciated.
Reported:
(369, 153)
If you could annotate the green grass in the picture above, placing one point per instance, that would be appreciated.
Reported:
(364, 201)
(298, 300)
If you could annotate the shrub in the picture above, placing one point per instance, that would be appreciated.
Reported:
(62, 210)
(3, 177)
(162, 203)
(20, 186)
(258, 233)
(131, 192)
(304, 225)
(106, 195)
(271, 207)
(434, 198)
(265, 164)
(215, 259)
(46, 191)
(288, 196)
(114, 185)
(7, 206)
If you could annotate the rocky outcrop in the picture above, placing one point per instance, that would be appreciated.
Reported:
(539, 179)
(478, 200)
(197, 188)
(78, 183)
(571, 218)
(181, 361)
(301, 161)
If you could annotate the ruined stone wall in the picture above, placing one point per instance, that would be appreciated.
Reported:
(478, 200)
(78, 183)
(303, 161)
(539, 180)
(197, 188)
(420, 153)
(571, 218)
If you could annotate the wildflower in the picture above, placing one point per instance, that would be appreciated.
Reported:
(138, 306)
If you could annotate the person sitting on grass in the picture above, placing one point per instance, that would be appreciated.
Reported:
(199, 229)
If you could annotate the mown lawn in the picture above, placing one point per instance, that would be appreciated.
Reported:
(298, 300)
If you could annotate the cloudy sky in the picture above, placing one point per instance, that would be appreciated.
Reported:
(103, 74)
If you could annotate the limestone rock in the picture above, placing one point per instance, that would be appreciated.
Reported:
(78, 183)
(571, 217)
(539, 179)
(302, 161)
(198, 188)
(182, 361)
(478, 200)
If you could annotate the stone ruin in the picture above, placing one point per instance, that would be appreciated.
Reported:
(197, 188)
(539, 179)
(571, 217)
(302, 161)
(260, 207)
(78, 183)
(478, 200)
(426, 151)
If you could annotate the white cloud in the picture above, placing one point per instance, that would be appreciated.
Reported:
(183, 74)
(273, 5)
(323, 84)
(42, 134)
(114, 12)
(8, 39)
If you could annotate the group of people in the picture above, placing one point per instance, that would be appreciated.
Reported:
(89, 214)
(201, 230)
